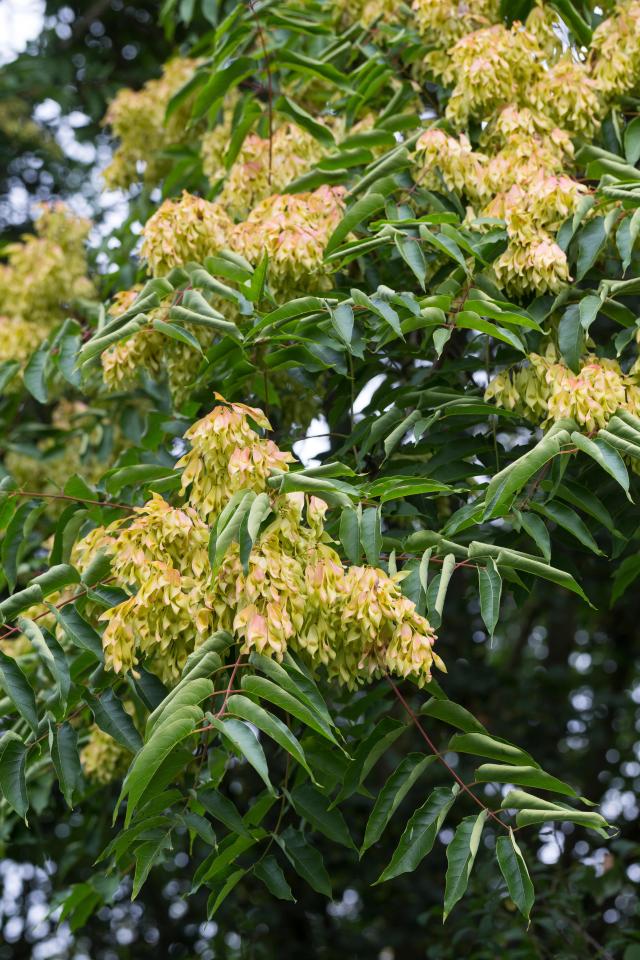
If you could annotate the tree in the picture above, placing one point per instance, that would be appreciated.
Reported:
(417, 241)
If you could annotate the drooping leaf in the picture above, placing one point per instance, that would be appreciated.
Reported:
(461, 855)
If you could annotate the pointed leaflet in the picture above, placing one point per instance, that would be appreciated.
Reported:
(385, 732)
(146, 855)
(148, 761)
(313, 806)
(51, 654)
(448, 566)
(526, 776)
(514, 870)
(245, 742)
(392, 795)
(13, 786)
(342, 321)
(453, 714)
(371, 536)
(267, 690)
(269, 871)
(535, 527)
(222, 809)
(246, 709)
(305, 860)
(63, 744)
(483, 745)
(217, 898)
(350, 534)
(420, 833)
(361, 210)
(490, 588)
(461, 854)
(411, 252)
(78, 631)
(605, 456)
(19, 690)
(110, 715)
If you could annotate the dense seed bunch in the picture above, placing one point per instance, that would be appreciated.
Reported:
(545, 390)
(293, 229)
(42, 274)
(227, 455)
(137, 119)
(259, 170)
(184, 230)
(292, 591)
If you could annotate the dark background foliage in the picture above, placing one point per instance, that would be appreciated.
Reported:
(561, 680)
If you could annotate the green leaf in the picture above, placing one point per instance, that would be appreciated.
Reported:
(627, 572)
(136, 475)
(342, 321)
(448, 567)
(110, 715)
(35, 373)
(77, 630)
(295, 112)
(632, 141)
(569, 520)
(514, 870)
(220, 82)
(246, 709)
(191, 691)
(461, 855)
(411, 252)
(453, 714)
(305, 860)
(19, 690)
(535, 527)
(505, 557)
(63, 744)
(419, 834)
(245, 743)
(361, 210)
(146, 856)
(490, 589)
(148, 761)
(227, 528)
(525, 776)
(12, 543)
(350, 534)
(313, 806)
(508, 482)
(445, 245)
(441, 337)
(176, 332)
(591, 240)
(605, 456)
(392, 794)
(297, 681)
(222, 809)
(217, 898)
(483, 745)
(269, 871)
(267, 690)
(13, 785)
(571, 336)
(371, 535)
(51, 654)
(369, 751)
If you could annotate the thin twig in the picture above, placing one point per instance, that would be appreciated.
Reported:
(425, 736)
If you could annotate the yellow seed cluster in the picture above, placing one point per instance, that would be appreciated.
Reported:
(182, 230)
(545, 390)
(102, 758)
(259, 170)
(137, 119)
(366, 12)
(293, 592)
(227, 455)
(42, 273)
(293, 229)
(614, 55)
